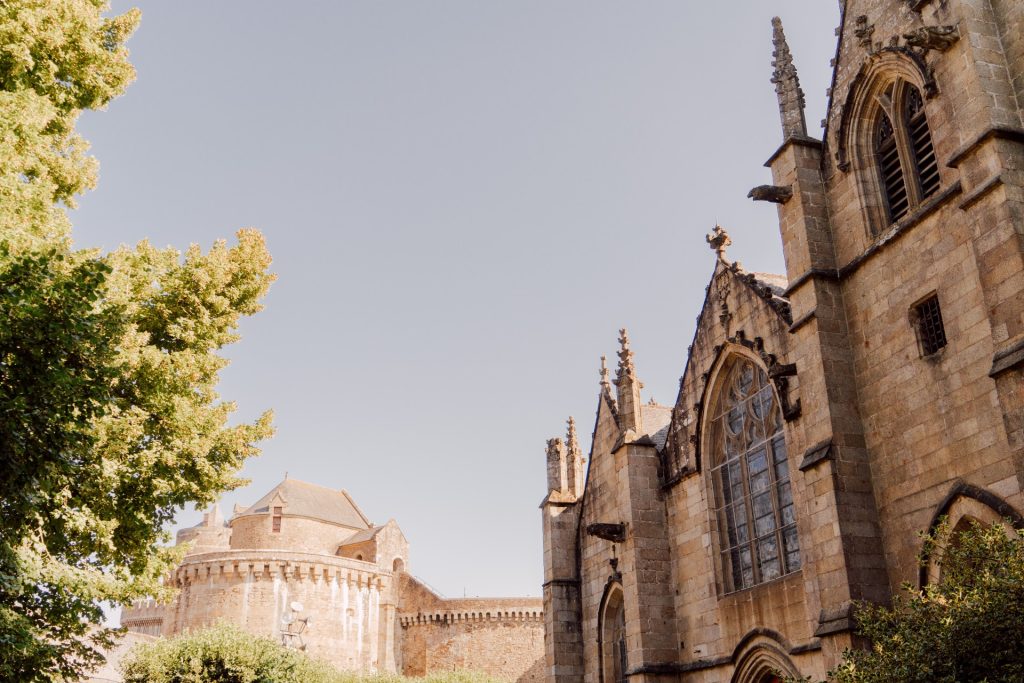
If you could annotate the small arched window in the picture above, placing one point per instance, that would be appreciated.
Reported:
(903, 148)
(613, 637)
(750, 471)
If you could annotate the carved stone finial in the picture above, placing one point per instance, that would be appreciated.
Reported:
(626, 367)
(571, 441)
(606, 384)
(719, 240)
(787, 85)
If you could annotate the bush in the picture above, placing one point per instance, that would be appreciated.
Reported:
(227, 654)
(967, 627)
(223, 654)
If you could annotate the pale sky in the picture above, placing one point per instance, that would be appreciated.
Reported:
(465, 199)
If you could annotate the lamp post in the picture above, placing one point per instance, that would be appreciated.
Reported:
(292, 627)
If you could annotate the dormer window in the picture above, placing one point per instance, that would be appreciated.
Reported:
(276, 520)
(903, 149)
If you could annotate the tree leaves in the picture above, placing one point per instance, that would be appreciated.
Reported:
(967, 627)
(109, 418)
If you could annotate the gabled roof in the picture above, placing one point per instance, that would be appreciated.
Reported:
(310, 500)
(361, 536)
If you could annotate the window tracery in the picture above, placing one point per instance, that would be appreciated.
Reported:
(750, 472)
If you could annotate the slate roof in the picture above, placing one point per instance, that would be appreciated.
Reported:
(310, 500)
(656, 419)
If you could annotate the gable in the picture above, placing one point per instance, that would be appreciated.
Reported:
(741, 311)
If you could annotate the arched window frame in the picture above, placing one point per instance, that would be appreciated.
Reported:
(904, 152)
(612, 635)
(965, 504)
(729, 556)
(763, 662)
(882, 90)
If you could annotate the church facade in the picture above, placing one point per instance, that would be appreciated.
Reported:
(304, 566)
(828, 415)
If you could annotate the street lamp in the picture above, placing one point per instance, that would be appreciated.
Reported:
(292, 627)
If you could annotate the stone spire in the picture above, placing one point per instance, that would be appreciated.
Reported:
(626, 367)
(571, 441)
(628, 387)
(606, 385)
(574, 462)
(787, 85)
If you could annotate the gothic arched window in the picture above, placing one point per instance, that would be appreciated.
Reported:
(613, 637)
(903, 148)
(753, 496)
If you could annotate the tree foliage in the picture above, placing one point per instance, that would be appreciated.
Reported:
(227, 654)
(968, 626)
(223, 654)
(109, 417)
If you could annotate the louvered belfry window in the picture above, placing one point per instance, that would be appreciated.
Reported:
(892, 171)
(906, 158)
(921, 142)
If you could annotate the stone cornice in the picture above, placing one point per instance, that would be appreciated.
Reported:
(279, 564)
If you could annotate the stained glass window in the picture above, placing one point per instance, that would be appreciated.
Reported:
(757, 523)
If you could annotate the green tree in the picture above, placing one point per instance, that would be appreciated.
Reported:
(223, 654)
(968, 626)
(227, 654)
(109, 418)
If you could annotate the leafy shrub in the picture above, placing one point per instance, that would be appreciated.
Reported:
(227, 654)
(967, 627)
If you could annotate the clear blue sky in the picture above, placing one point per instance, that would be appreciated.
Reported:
(465, 200)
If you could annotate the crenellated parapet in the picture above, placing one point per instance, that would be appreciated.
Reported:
(533, 613)
(144, 616)
(287, 566)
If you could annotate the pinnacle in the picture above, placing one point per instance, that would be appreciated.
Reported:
(787, 84)
(606, 385)
(572, 442)
(626, 368)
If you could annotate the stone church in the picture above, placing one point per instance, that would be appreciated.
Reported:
(828, 415)
(303, 565)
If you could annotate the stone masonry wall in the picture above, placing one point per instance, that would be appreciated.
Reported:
(502, 637)
(347, 600)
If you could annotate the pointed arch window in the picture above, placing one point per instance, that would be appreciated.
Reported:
(750, 472)
(904, 151)
(613, 637)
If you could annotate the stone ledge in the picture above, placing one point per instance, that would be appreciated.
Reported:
(978, 193)
(839, 620)
(997, 132)
(1008, 358)
(819, 452)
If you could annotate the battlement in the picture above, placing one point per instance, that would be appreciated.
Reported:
(459, 610)
(144, 616)
(285, 565)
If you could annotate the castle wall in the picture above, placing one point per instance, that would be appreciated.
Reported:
(499, 637)
(347, 600)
